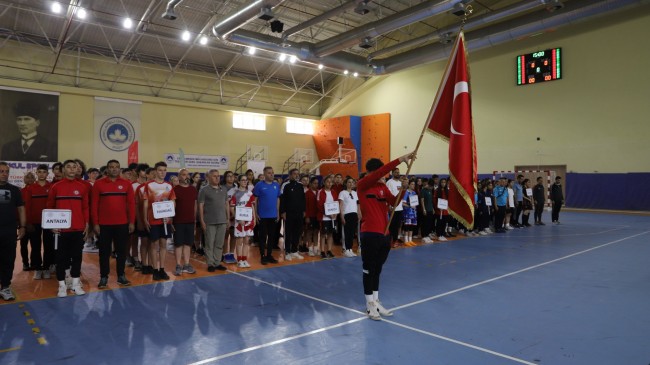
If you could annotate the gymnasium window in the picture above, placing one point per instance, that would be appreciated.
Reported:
(300, 126)
(249, 121)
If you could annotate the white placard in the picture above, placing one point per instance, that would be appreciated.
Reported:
(163, 209)
(443, 204)
(244, 214)
(529, 192)
(414, 201)
(488, 201)
(332, 208)
(56, 218)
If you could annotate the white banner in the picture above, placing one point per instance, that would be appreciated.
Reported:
(117, 126)
(257, 166)
(164, 209)
(197, 161)
(18, 169)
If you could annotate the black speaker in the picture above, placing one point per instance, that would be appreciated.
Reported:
(339, 140)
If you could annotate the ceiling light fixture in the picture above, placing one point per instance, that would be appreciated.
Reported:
(81, 13)
(346, 72)
(251, 50)
(362, 8)
(283, 56)
(127, 23)
(186, 36)
(56, 7)
(320, 67)
(293, 59)
(203, 40)
(355, 74)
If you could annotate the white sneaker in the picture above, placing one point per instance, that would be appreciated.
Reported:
(76, 287)
(432, 236)
(38, 274)
(52, 269)
(46, 274)
(6, 294)
(288, 257)
(348, 253)
(483, 233)
(311, 252)
(68, 282)
(509, 227)
(246, 263)
(372, 311)
(442, 238)
(383, 311)
(297, 255)
(63, 290)
(354, 254)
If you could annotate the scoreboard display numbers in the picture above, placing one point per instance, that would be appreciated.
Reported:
(539, 66)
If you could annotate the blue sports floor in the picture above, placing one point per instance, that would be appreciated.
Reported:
(578, 293)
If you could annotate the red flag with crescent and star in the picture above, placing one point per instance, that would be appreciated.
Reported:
(450, 118)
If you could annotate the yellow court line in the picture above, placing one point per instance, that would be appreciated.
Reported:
(10, 349)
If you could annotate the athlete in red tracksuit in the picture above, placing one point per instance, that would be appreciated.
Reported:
(72, 195)
(35, 197)
(113, 215)
(375, 199)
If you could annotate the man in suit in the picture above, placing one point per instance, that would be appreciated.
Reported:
(30, 146)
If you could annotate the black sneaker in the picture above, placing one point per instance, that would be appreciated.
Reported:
(303, 248)
(220, 268)
(147, 270)
(122, 280)
(26, 267)
(264, 260)
(323, 255)
(103, 282)
(200, 251)
(138, 266)
(541, 223)
(271, 260)
(162, 274)
(156, 275)
(330, 255)
(211, 268)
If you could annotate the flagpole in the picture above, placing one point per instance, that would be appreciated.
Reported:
(398, 199)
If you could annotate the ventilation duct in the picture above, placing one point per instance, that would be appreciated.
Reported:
(242, 16)
(169, 12)
(323, 17)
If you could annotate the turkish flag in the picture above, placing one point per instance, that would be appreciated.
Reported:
(451, 119)
(133, 153)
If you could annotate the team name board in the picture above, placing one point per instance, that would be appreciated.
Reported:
(332, 208)
(244, 214)
(413, 201)
(488, 201)
(163, 209)
(529, 192)
(443, 204)
(56, 218)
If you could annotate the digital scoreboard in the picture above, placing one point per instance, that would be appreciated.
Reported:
(539, 66)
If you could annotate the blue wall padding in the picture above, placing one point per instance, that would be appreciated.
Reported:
(355, 136)
(608, 191)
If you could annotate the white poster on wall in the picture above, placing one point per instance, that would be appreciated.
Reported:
(117, 127)
(257, 166)
(197, 161)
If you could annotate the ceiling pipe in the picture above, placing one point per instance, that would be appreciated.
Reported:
(372, 30)
(169, 13)
(340, 60)
(575, 11)
(472, 24)
(242, 16)
(321, 18)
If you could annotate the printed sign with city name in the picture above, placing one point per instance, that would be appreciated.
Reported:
(244, 214)
(163, 209)
(443, 204)
(414, 201)
(56, 218)
(529, 192)
(332, 208)
(488, 201)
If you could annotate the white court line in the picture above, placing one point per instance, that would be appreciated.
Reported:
(515, 272)
(253, 348)
(482, 349)
(558, 235)
(297, 292)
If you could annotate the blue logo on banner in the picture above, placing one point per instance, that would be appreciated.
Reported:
(117, 134)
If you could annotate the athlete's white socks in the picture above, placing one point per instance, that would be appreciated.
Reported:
(369, 298)
(375, 296)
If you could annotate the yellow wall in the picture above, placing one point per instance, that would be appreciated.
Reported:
(166, 126)
(597, 118)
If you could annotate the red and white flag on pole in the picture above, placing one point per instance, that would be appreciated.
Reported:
(451, 119)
